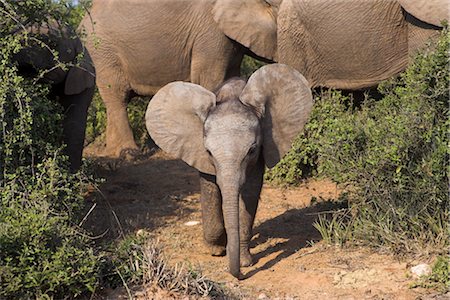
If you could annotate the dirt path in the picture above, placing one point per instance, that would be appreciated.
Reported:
(161, 195)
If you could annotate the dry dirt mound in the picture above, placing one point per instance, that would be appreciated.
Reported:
(161, 196)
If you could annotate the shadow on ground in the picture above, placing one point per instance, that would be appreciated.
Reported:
(143, 195)
(290, 232)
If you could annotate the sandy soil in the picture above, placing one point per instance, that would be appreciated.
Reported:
(160, 195)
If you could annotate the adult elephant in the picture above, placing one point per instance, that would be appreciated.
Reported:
(354, 44)
(139, 46)
(73, 85)
(346, 44)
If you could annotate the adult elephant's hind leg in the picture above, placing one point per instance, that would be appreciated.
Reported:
(119, 136)
(212, 216)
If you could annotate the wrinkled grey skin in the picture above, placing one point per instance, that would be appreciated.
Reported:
(229, 137)
(233, 139)
(73, 88)
(346, 44)
(140, 46)
(354, 44)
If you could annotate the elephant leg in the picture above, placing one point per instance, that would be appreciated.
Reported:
(119, 136)
(75, 117)
(219, 62)
(248, 204)
(208, 76)
(212, 216)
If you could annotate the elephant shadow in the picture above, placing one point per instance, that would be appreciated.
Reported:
(288, 233)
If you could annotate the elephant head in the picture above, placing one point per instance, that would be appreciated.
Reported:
(39, 56)
(224, 134)
(252, 23)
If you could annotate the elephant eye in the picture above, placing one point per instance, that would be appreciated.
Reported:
(209, 152)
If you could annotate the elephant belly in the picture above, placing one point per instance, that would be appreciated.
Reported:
(347, 44)
(152, 63)
(147, 78)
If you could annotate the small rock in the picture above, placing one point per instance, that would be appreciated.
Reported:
(262, 296)
(192, 223)
(141, 232)
(301, 268)
(421, 270)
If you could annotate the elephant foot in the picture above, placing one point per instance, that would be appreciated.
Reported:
(124, 153)
(130, 154)
(216, 250)
(246, 258)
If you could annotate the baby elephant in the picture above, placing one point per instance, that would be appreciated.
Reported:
(229, 136)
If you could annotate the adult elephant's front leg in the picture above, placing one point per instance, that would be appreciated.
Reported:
(217, 63)
(212, 216)
(75, 117)
(119, 136)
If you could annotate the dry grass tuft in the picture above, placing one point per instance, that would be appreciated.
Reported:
(149, 261)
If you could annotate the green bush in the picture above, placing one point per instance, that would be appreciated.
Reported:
(439, 279)
(390, 154)
(43, 251)
(301, 161)
(440, 275)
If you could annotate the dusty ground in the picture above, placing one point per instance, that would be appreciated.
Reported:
(160, 195)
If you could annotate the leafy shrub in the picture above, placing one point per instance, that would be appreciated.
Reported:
(440, 275)
(439, 279)
(301, 161)
(43, 251)
(391, 154)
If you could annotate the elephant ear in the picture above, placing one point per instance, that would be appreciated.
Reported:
(429, 11)
(175, 118)
(81, 76)
(251, 23)
(282, 98)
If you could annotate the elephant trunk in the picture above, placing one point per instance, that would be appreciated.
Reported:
(229, 186)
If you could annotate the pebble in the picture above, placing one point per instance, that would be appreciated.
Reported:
(192, 223)
(421, 270)
(301, 268)
(141, 232)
